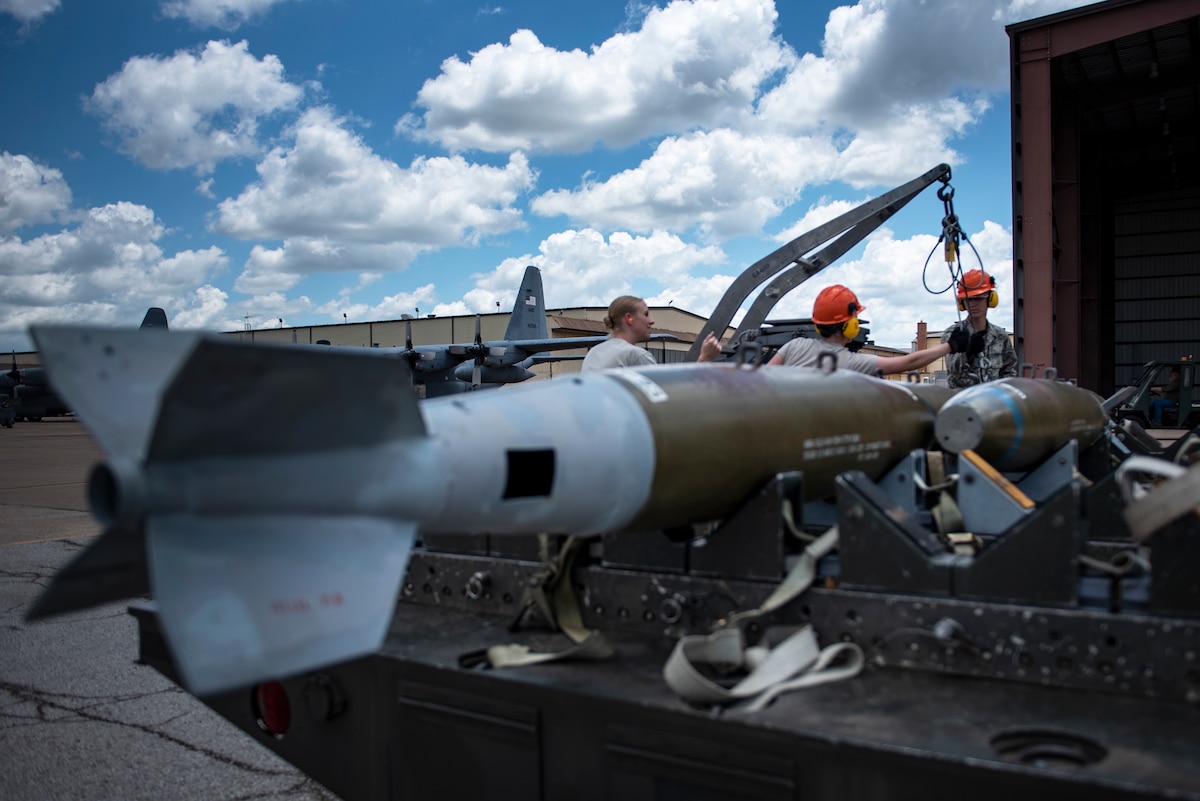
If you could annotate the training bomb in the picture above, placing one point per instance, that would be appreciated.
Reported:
(278, 489)
(1015, 423)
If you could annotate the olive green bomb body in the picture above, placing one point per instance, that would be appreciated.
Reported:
(1015, 423)
(720, 433)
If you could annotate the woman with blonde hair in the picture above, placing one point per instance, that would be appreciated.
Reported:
(629, 321)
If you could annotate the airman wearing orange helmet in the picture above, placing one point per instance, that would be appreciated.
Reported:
(835, 314)
(997, 358)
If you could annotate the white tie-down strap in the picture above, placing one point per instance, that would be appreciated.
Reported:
(795, 663)
(798, 579)
(1148, 510)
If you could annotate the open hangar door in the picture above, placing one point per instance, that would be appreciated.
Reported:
(1106, 188)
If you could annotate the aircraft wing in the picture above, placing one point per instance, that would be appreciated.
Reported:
(535, 346)
(545, 358)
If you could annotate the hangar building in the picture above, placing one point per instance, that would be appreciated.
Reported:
(1106, 188)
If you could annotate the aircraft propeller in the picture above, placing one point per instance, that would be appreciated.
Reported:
(477, 351)
(15, 372)
(408, 354)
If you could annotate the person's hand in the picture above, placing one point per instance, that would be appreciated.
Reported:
(976, 345)
(710, 348)
(959, 340)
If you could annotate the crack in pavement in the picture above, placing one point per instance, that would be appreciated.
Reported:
(79, 717)
(47, 702)
(58, 708)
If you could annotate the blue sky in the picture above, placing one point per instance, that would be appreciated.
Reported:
(242, 161)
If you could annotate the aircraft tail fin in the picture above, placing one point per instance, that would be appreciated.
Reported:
(297, 593)
(528, 319)
(155, 318)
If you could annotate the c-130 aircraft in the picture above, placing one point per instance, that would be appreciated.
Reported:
(32, 395)
(453, 368)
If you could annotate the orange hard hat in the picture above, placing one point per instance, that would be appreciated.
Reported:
(975, 283)
(835, 304)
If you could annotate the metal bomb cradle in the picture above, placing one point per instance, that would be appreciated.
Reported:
(1050, 587)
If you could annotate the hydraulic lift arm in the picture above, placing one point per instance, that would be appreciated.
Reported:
(846, 231)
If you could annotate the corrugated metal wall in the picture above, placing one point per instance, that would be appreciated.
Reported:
(1106, 171)
(1157, 280)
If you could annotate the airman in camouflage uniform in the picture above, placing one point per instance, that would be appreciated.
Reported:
(998, 359)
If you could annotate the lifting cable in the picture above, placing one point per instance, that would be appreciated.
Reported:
(950, 238)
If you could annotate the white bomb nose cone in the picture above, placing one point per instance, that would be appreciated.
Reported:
(958, 428)
(1015, 423)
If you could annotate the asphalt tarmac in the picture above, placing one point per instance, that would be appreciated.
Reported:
(80, 720)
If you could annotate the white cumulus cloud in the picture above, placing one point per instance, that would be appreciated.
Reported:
(585, 267)
(722, 184)
(29, 192)
(690, 64)
(340, 207)
(895, 84)
(193, 110)
(106, 270)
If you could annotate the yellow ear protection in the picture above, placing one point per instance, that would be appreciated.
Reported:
(850, 327)
(993, 298)
(993, 301)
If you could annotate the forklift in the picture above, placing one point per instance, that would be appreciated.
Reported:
(1155, 375)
